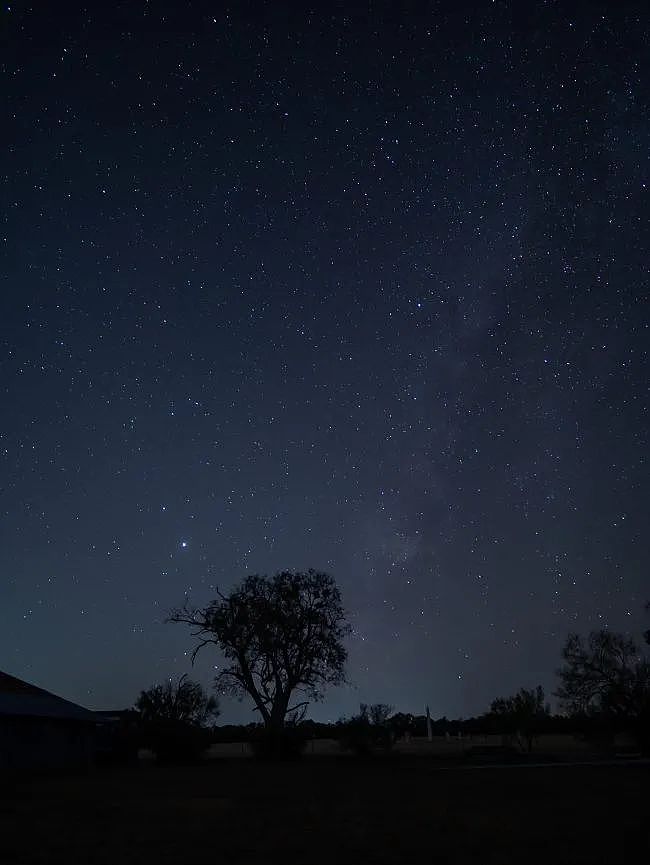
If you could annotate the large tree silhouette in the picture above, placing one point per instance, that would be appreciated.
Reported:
(282, 637)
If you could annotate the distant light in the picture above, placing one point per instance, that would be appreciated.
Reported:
(183, 544)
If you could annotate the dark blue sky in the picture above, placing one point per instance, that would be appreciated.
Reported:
(361, 287)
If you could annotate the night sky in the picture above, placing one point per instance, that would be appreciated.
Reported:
(360, 287)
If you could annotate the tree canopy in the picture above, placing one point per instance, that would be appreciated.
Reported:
(281, 636)
(604, 674)
(184, 702)
(523, 705)
(173, 719)
(522, 714)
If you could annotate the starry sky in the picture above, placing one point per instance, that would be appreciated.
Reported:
(352, 286)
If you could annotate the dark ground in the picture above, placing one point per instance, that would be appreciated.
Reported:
(396, 810)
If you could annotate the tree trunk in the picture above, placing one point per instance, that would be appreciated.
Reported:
(274, 736)
(278, 713)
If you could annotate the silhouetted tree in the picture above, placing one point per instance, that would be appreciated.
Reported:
(402, 723)
(522, 713)
(185, 702)
(368, 731)
(282, 636)
(173, 718)
(604, 675)
(378, 713)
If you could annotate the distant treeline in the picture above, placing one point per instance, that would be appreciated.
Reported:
(416, 726)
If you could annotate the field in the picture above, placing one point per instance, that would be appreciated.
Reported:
(555, 746)
(400, 809)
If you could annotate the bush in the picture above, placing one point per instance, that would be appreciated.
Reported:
(355, 735)
(286, 744)
(369, 732)
(175, 741)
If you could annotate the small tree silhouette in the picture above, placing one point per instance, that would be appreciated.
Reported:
(173, 718)
(369, 731)
(522, 714)
(183, 702)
